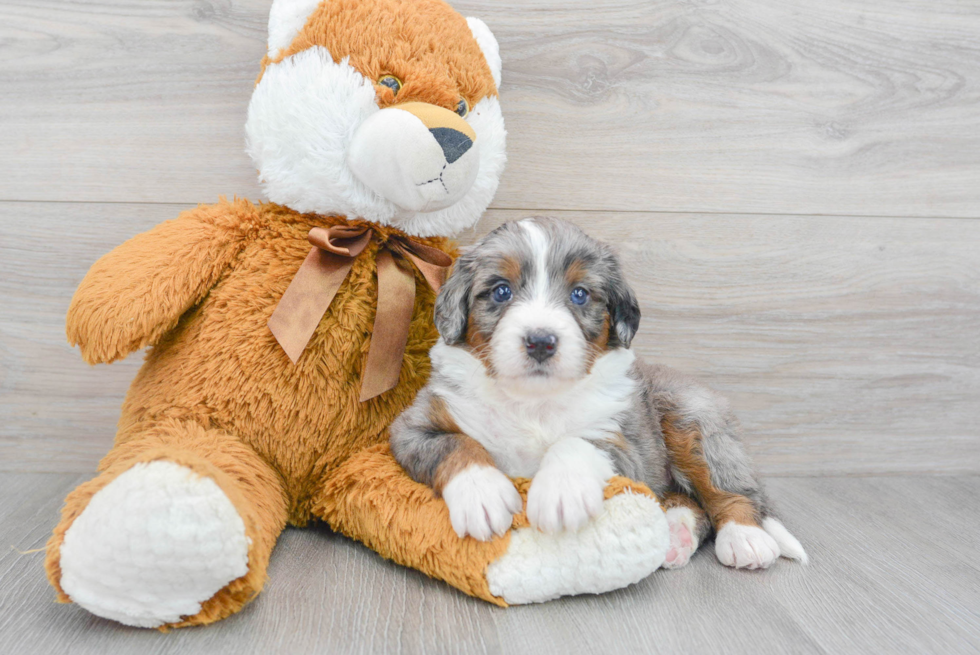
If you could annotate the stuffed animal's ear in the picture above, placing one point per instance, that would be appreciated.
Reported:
(453, 303)
(286, 19)
(488, 44)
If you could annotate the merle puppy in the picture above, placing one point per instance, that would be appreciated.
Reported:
(534, 377)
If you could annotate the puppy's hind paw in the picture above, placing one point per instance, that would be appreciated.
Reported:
(745, 547)
(683, 543)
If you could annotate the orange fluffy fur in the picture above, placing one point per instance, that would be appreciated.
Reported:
(217, 393)
(286, 443)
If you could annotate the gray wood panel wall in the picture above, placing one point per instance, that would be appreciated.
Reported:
(794, 186)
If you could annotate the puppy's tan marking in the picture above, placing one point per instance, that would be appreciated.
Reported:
(619, 441)
(479, 344)
(599, 346)
(510, 268)
(702, 524)
(466, 451)
(674, 499)
(601, 342)
(440, 417)
(684, 446)
(575, 272)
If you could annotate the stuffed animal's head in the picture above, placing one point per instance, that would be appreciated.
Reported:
(385, 110)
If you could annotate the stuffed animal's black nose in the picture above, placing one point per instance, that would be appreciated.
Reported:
(541, 345)
(454, 143)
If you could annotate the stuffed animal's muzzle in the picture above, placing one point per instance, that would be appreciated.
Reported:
(418, 156)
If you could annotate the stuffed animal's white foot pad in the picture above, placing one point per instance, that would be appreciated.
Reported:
(745, 547)
(152, 545)
(682, 525)
(625, 543)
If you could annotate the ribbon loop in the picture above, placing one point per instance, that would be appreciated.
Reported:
(343, 240)
(432, 263)
(321, 275)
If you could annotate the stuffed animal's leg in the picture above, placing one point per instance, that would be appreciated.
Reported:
(176, 530)
(370, 498)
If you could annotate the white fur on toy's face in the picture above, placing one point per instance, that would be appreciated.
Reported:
(321, 143)
(399, 156)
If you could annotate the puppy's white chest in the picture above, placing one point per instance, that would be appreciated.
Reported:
(518, 440)
(517, 429)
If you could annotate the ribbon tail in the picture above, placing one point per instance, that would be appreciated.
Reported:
(306, 300)
(396, 303)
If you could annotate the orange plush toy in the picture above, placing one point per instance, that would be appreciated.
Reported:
(285, 337)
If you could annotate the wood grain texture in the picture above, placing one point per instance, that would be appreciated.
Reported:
(766, 106)
(846, 346)
(891, 571)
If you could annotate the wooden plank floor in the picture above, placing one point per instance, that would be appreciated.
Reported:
(794, 186)
(894, 569)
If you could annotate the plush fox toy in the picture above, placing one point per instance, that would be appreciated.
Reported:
(285, 337)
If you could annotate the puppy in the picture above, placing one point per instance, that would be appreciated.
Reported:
(534, 377)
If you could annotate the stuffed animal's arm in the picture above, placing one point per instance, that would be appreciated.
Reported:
(135, 294)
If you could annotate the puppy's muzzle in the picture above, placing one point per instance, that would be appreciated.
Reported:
(418, 156)
(540, 345)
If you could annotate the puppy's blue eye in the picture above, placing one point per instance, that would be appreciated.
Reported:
(502, 293)
(580, 296)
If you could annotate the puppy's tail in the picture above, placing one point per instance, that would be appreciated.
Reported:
(789, 546)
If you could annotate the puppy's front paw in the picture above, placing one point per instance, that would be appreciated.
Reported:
(482, 502)
(745, 547)
(562, 498)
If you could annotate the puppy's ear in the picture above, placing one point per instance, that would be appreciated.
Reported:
(453, 303)
(623, 307)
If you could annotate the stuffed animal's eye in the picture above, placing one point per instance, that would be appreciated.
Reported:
(580, 296)
(463, 107)
(391, 82)
(502, 293)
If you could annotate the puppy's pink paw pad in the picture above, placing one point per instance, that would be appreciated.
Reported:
(680, 534)
(682, 544)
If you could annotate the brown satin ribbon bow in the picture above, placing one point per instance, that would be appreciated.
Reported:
(319, 278)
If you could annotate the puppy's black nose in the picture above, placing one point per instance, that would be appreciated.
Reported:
(454, 143)
(541, 345)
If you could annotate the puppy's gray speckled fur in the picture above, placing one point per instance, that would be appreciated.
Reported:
(469, 317)
(465, 297)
